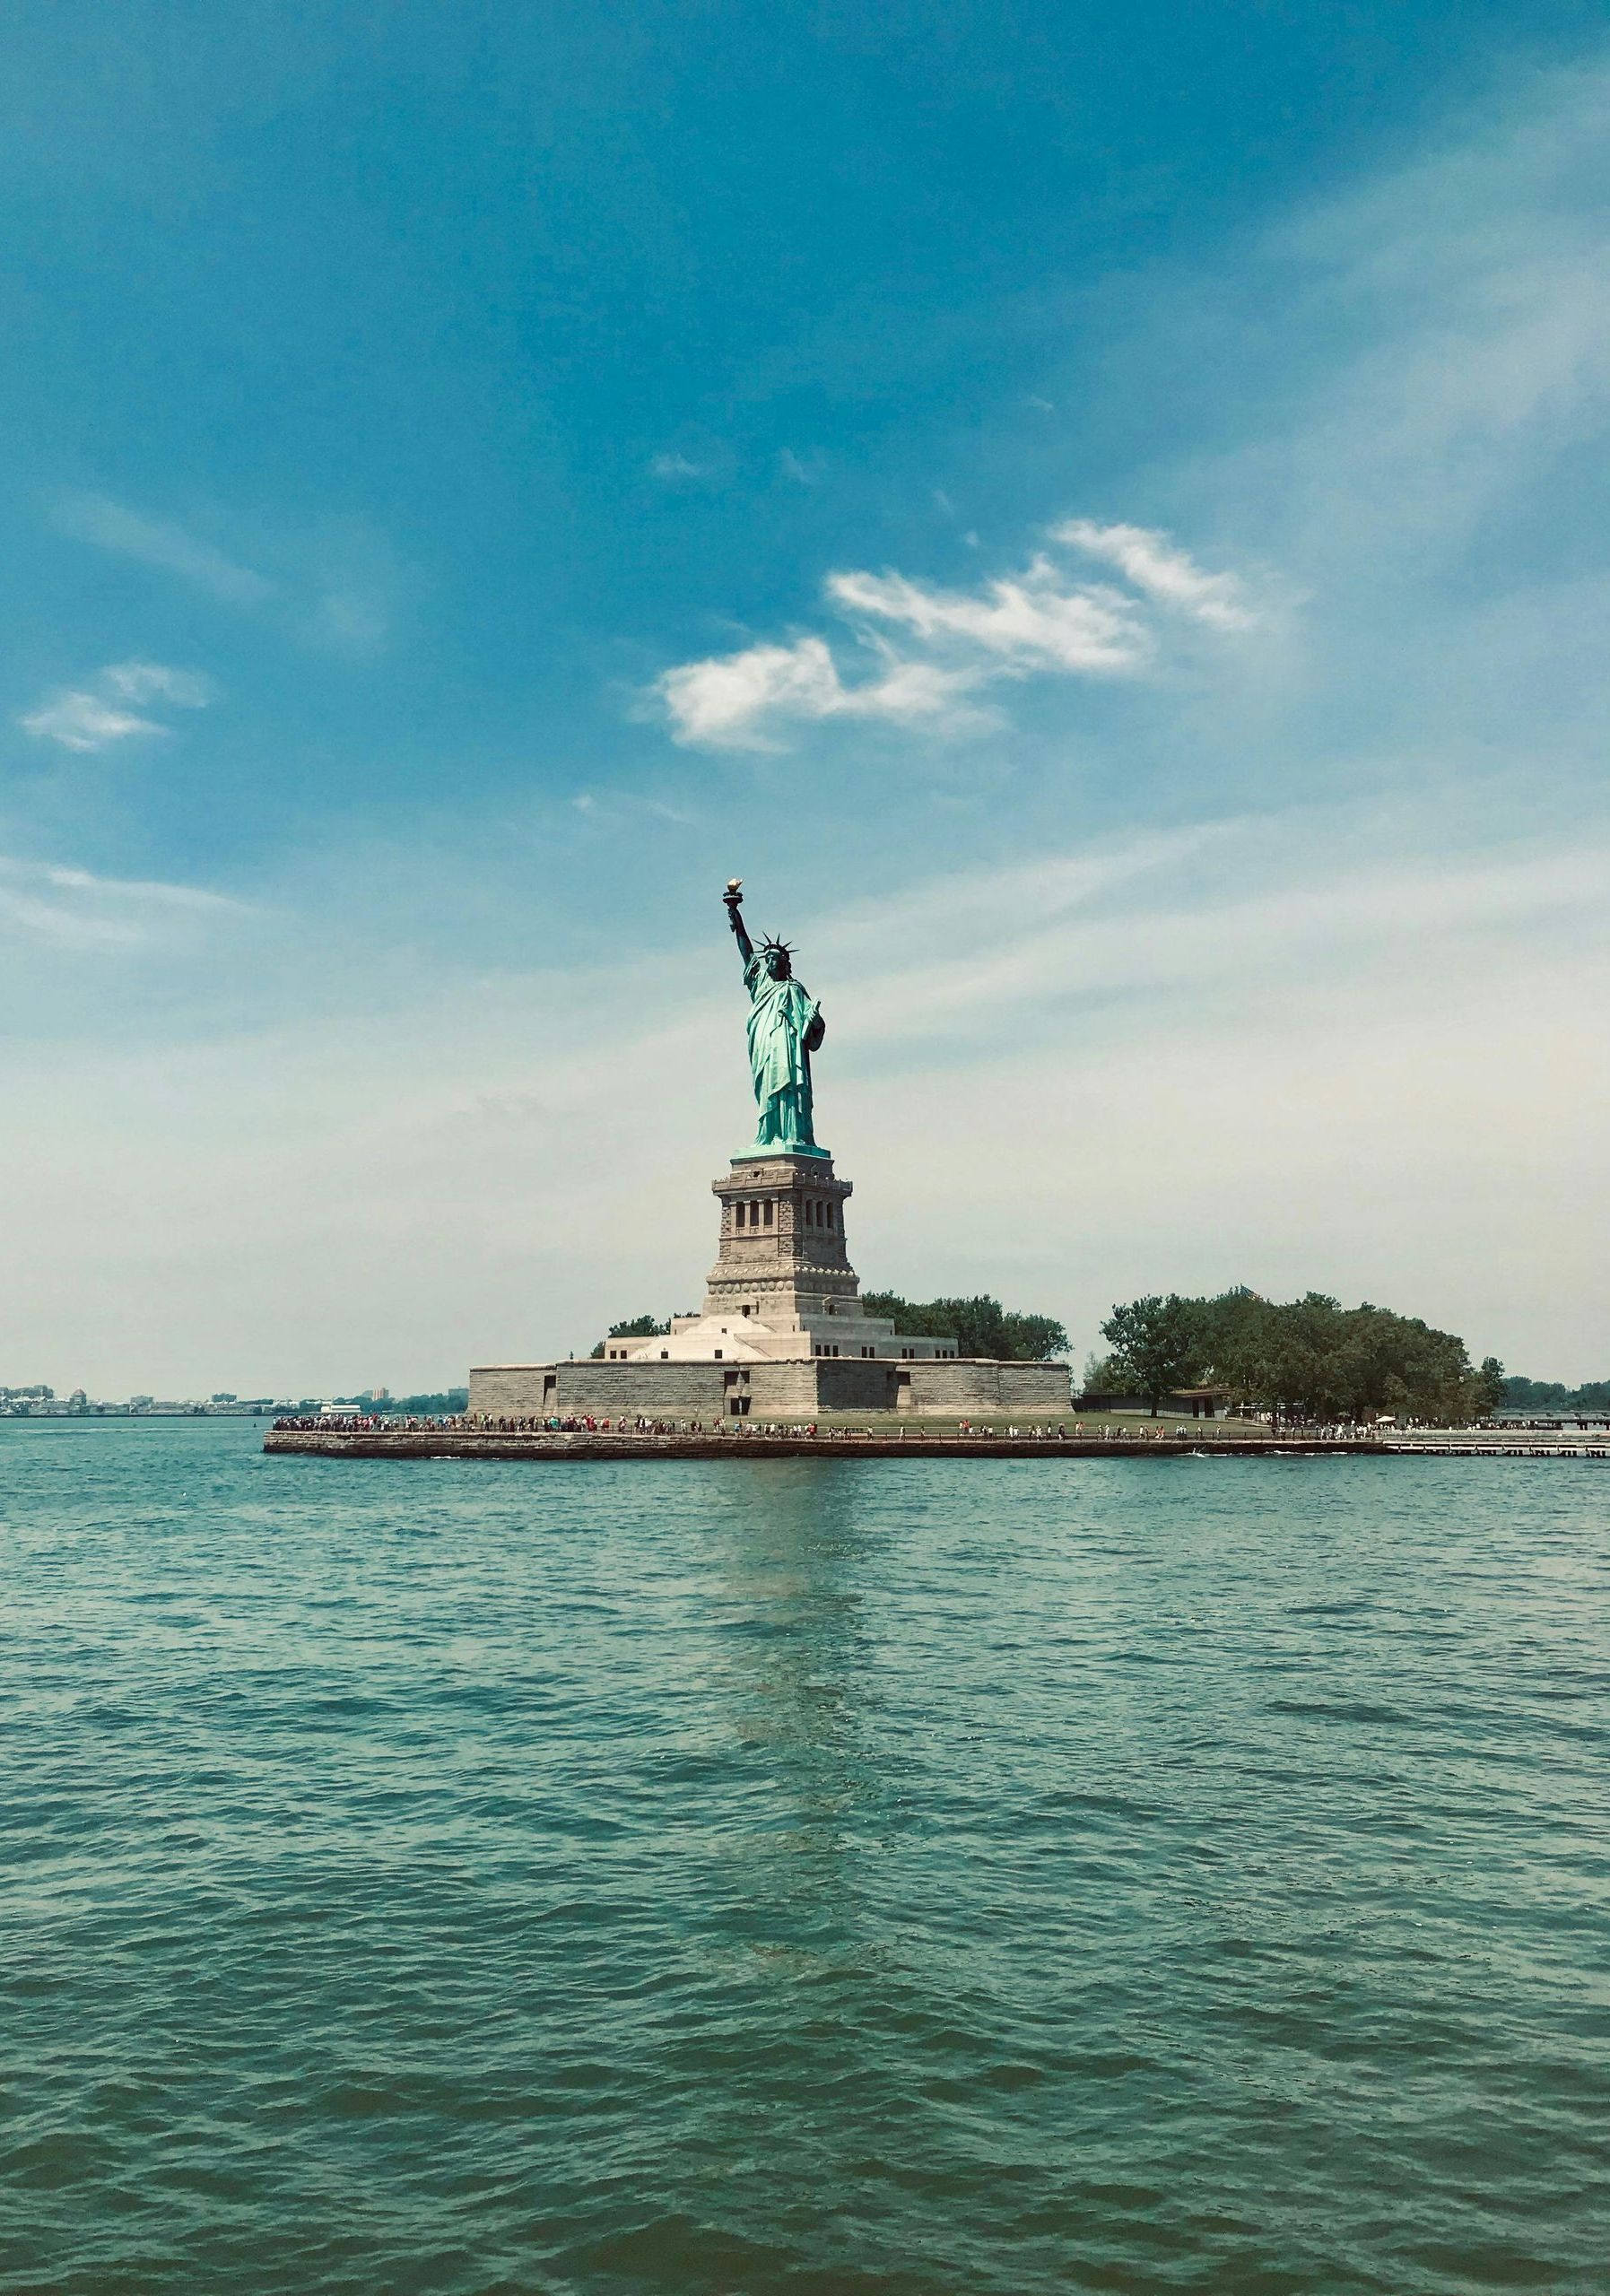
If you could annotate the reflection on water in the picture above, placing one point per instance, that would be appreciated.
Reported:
(808, 1876)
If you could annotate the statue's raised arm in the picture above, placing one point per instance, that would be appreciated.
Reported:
(784, 1028)
(734, 898)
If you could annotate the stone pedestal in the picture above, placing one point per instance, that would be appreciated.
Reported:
(782, 1288)
(782, 1333)
(782, 1251)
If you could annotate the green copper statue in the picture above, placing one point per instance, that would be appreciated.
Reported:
(785, 1028)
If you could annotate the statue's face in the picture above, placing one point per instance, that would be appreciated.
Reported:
(776, 963)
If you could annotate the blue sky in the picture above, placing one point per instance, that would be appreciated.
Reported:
(1097, 514)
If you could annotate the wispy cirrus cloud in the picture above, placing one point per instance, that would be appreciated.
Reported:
(679, 470)
(111, 708)
(79, 720)
(933, 648)
(113, 527)
(73, 907)
(337, 584)
(1158, 568)
(143, 682)
(1034, 621)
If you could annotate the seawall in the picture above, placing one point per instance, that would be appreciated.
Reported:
(453, 1443)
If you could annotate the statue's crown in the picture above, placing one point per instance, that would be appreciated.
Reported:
(783, 948)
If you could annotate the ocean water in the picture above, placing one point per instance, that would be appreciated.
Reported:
(833, 1877)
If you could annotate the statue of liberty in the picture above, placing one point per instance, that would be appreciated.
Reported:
(784, 1028)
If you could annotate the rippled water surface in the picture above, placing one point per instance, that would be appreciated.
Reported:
(824, 1876)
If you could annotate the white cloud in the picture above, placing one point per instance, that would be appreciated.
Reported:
(346, 585)
(1451, 321)
(735, 700)
(349, 620)
(111, 526)
(338, 582)
(623, 810)
(1435, 385)
(141, 682)
(1153, 563)
(75, 909)
(723, 699)
(1035, 621)
(1308, 901)
(78, 720)
(92, 717)
(678, 469)
(153, 889)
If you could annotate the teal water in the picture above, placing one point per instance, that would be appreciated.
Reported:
(831, 1878)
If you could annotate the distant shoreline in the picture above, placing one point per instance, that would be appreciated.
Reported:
(115, 1416)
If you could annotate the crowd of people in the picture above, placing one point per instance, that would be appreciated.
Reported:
(465, 1423)
(578, 1423)
(586, 1423)
(965, 1429)
(328, 1422)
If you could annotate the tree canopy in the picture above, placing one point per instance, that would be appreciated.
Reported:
(1157, 1343)
(1552, 1395)
(979, 1326)
(635, 1328)
(1308, 1359)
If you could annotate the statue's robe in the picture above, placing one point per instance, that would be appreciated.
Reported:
(780, 1016)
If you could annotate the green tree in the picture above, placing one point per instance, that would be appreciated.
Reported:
(637, 1328)
(1535, 1394)
(979, 1326)
(1552, 1395)
(1489, 1387)
(1103, 1375)
(1313, 1358)
(1157, 1343)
